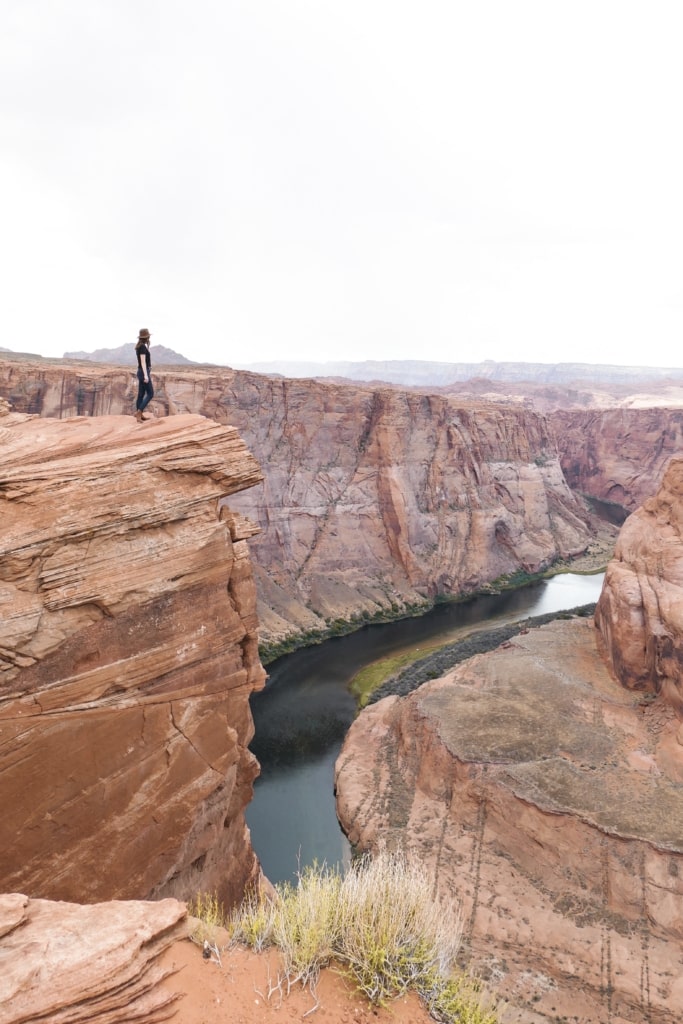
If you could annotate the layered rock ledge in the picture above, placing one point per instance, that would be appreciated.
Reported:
(128, 651)
(64, 963)
(551, 799)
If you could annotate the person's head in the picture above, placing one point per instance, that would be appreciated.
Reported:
(143, 337)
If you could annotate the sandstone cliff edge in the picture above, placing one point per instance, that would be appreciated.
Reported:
(128, 650)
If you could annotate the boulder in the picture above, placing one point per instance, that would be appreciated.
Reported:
(64, 963)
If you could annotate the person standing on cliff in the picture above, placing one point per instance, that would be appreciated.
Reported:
(145, 389)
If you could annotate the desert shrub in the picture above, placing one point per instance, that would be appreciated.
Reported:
(394, 934)
(306, 924)
(208, 910)
(379, 923)
(460, 1000)
(253, 922)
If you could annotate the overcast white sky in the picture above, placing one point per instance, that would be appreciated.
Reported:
(344, 179)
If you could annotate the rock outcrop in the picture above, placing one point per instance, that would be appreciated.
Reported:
(64, 963)
(640, 612)
(375, 501)
(380, 499)
(128, 651)
(551, 799)
(617, 455)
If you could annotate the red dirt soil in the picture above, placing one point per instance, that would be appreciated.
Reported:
(236, 992)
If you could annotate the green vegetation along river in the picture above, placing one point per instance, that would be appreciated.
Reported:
(302, 715)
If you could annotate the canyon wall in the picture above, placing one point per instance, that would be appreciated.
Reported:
(128, 651)
(640, 612)
(535, 783)
(375, 501)
(617, 455)
(549, 799)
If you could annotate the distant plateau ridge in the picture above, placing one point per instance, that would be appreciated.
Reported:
(419, 373)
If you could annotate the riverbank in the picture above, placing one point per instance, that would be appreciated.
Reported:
(373, 677)
(479, 641)
(306, 708)
(593, 560)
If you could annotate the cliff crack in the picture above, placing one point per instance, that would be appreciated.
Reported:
(475, 872)
(188, 740)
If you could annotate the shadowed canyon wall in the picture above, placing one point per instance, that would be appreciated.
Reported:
(617, 455)
(640, 612)
(375, 500)
(128, 651)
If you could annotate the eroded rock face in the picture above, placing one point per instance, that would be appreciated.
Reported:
(618, 455)
(128, 651)
(374, 500)
(545, 795)
(640, 611)
(62, 962)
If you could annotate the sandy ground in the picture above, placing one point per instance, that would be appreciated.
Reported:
(237, 991)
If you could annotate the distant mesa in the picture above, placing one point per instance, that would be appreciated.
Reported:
(125, 354)
(422, 373)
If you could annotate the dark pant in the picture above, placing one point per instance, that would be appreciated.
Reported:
(145, 392)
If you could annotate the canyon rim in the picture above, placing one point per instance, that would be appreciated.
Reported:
(375, 501)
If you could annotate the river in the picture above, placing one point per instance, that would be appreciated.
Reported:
(302, 715)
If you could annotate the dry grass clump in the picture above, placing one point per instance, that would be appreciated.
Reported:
(210, 915)
(380, 924)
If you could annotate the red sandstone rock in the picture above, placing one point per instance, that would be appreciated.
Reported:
(617, 455)
(374, 500)
(640, 612)
(61, 962)
(128, 651)
(535, 787)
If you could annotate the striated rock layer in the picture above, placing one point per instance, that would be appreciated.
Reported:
(617, 455)
(128, 651)
(640, 612)
(374, 500)
(533, 785)
(64, 963)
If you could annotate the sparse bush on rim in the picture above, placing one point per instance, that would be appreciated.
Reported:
(210, 915)
(379, 924)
